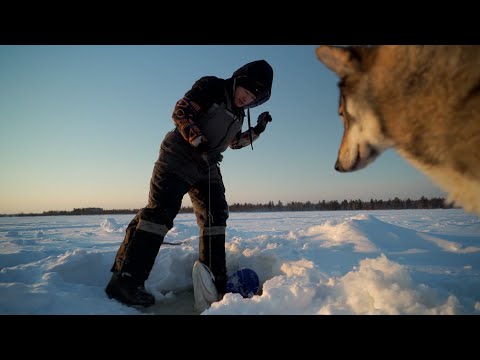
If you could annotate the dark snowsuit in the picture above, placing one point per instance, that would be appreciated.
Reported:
(207, 109)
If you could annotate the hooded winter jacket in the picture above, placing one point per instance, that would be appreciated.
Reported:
(208, 110)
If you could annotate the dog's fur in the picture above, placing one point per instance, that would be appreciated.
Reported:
(424, 101)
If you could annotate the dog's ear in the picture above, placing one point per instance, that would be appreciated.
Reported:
(338, 59)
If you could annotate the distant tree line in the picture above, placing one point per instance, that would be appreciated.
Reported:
(79, 211)
(395, 204)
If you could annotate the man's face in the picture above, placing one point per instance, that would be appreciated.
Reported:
(243, 97)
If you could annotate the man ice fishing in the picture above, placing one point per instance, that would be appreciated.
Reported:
(208, 120)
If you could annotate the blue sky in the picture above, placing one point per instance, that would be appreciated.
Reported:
(81, 126)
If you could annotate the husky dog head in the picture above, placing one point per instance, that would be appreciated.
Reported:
(363, 138)
(421, 100)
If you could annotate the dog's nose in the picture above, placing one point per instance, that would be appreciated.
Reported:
(337, 166)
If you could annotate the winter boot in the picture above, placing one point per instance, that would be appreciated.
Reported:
(212, 254)
(128, 291)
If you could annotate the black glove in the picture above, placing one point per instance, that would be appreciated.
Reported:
(262, 121)
(203, 147)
